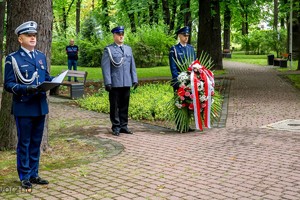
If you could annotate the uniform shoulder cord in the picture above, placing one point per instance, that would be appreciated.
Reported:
(112, 60)
(19, 75)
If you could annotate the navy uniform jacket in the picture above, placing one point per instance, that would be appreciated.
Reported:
(180, 53)
(118, 70)
(25, 104)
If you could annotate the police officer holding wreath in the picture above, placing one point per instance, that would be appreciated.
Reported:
(180, 53)
(119, 74)
(24, 70)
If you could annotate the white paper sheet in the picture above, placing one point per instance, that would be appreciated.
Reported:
(60, 78)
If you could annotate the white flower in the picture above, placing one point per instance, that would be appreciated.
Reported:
(200, 85)
(183, 76)
(203, 98)
(197, 66)
(178, 105)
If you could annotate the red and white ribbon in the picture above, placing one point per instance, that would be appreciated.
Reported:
(196, 101)
(208, 78)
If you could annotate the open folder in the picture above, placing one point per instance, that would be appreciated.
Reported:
(56, 81)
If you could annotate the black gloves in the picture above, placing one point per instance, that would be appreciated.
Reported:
(176, 86)
(135, 85)
(108, 87)
(31, 89)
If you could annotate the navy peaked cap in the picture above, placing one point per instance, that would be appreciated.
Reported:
(26, 27)
(183, 30)
(118, 29)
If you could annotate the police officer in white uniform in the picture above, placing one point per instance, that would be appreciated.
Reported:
(119, 73)
(25, 69)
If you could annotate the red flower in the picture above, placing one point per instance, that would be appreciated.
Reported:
(180, 91)
(191, 106)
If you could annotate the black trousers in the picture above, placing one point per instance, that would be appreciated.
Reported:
(119, 103)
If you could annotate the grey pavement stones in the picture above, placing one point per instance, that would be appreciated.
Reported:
(238, 161)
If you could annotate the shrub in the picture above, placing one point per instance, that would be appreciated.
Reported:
(150, 46)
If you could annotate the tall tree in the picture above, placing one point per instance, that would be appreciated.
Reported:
(19, 11)
(227, 21)
(173, 16)
(185, 17)
(105, 17)
(127, 6)
(275, 25)
(153, 11)
(166, 12)
(2, 14)
(78, 9)
(244, 4)
(209, 34)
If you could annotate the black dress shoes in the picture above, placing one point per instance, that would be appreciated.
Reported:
(26, 184)
(116, 133)
(38, 180)
(126, 131)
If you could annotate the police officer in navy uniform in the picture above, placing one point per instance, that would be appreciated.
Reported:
(25, 69)
(181, 53)
(119, 74)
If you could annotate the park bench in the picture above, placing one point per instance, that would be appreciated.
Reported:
(281, 62)
(76, 89)
(226, 53)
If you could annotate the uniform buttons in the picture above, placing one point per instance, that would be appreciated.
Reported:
(39, 83)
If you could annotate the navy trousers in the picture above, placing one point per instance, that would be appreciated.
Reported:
(119, 103)
(30, 134)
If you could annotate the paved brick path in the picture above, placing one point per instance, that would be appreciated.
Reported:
(240, 161)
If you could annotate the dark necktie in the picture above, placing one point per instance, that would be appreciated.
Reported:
(122, 48)
(32, 55)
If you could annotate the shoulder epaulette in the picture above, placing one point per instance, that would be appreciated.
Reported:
(11, 54)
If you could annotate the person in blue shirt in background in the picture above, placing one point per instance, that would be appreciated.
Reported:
(72, 52)
(25, 69)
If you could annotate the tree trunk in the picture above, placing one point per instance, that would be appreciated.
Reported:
(227, 20)
(173, 16)
(166, 12)
(209, 34)
(64, 22)
(78, 9)
(106, 17)
(156, 7)
(216, 51)
(187, 17)
(8, 136)
(151, 12)
(275, 14)
(2, 14)
(17, 13)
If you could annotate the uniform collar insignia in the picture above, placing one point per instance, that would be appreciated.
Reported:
(22, 53)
